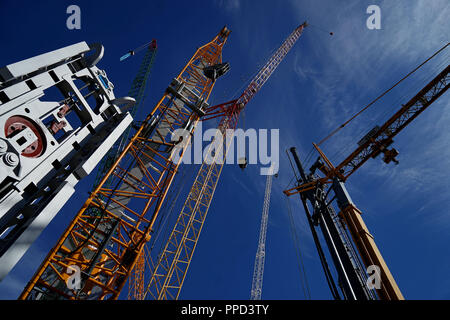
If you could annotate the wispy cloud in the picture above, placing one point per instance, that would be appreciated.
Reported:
(357, 59)
(242, 184)
(356, 65)
(230, 5)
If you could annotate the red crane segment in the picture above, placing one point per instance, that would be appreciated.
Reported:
(258, 81)
(173, 263)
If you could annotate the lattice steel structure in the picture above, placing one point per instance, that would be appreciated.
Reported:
(171, 268)
(137, 91)
(105, 243)
(379, 139)
(258, 271)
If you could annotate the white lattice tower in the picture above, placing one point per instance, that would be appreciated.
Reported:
(258, 272)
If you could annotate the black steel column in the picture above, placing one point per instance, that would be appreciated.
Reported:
(350, 281)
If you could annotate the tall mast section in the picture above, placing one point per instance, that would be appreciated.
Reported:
(258, 272)
(137, 91)
(171, 268)
(108, 234)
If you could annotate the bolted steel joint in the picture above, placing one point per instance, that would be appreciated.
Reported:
(11, 159)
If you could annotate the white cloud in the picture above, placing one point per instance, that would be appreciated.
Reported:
(358, 61)
(354, 66)
(229, 5)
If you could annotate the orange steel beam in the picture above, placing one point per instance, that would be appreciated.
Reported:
(107, 236)
(306, 186)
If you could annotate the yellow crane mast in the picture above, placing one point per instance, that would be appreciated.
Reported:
(173, 263)
(97, 252)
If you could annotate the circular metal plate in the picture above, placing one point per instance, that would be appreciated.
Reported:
(15, 124)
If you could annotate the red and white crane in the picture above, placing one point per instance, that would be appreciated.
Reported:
(173, 262)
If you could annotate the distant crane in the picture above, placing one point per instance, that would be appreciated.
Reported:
(258, 272)
(137, 91)
(173, 263)
(150, 45)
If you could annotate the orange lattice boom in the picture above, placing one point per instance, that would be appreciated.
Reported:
(106, 238)
(173, 263)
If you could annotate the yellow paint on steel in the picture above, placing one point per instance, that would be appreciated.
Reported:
(107, 273)
(370, 254)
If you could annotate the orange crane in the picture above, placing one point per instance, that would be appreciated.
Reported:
(173, 262)
(312, 187)
(97, 252)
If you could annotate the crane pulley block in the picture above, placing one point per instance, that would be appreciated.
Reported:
(215, 71)
(389, 155)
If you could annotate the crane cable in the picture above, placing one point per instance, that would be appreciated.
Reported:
(167, 209)
(323, 261)
(414, 87)
(246, 79)
(379, 97)
(295, 239)
(300, 264)
(320, 29)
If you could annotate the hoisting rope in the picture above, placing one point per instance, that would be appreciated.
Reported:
(246, 79)
(379, 97)
(323, 30)
(167, 209)
(300, 264)
(295, 239)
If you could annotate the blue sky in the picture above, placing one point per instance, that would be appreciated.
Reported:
(320, 84)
